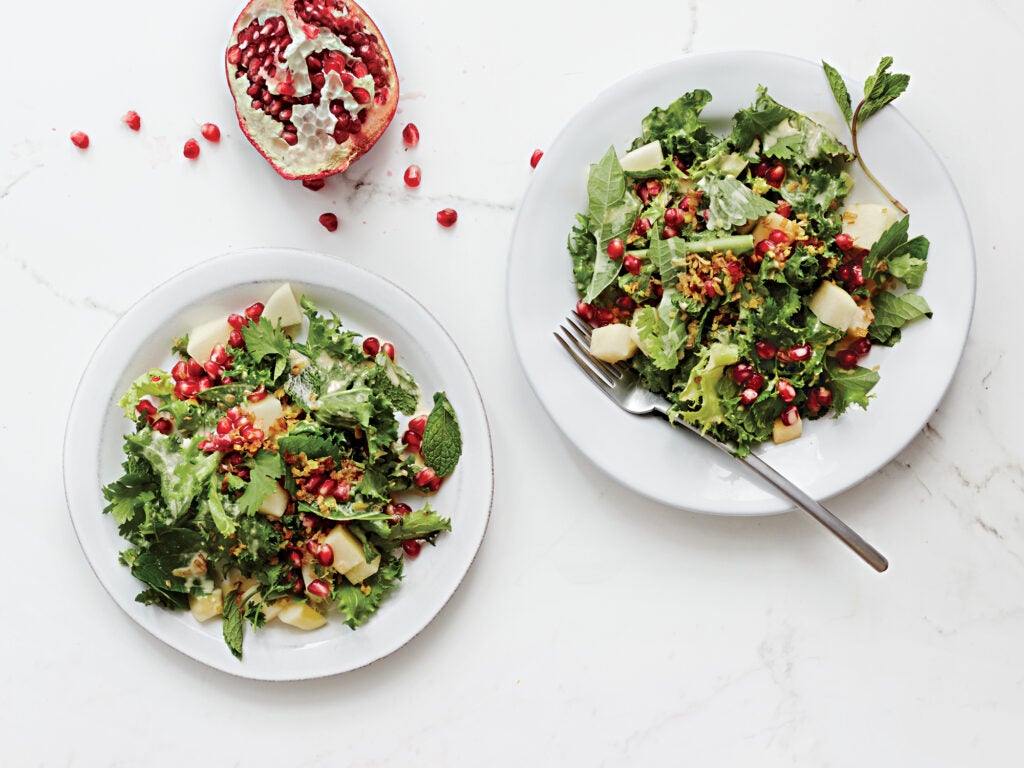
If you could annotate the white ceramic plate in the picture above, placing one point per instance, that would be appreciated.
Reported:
(366, 303)
(672, 466)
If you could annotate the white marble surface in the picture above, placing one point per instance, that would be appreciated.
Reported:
(594, 628)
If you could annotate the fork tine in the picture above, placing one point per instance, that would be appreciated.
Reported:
(581, 325)
(592, 362)
(582, 339)
(584, 362)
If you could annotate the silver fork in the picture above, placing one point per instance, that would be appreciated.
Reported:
(624, 388)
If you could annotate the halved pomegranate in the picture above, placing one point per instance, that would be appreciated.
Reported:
(313, 81)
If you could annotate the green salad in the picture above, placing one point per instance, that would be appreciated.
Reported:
(733, 277)
(268, 478)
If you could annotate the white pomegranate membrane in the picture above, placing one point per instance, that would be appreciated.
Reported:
(313, 73)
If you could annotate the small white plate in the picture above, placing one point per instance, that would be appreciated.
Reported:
(672, 466)
(366, 303)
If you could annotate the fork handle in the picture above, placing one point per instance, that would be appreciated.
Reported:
(841, 530)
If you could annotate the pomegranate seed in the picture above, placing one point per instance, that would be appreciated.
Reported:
(361, 95)
(411, 439)
(254, 311)
(145, 407)
(764, 247)
(631, 264)
(843, 273)
(447, 217)
(667, 233)
(602, 317)
(180, 371)
(327, 487)
(801, 353)
(424, 477)
(314, 184)
(260, 393)
(184, 390)
(735, 271)
(790, 415)
(861, 347)
(224, 426)
(412, 547)
(824, 396)
(325, 555)
(257, 435)
(673, 217)
(710, 289)
(741, 372)
(342, 492)
(535, 158)
(318, 588)
(761, 169)
(195, 370)
(388, 349)
(755, 381)
(615, 248)
(778, 237)
(857, 275)
(847, 359)
(412, 176)
(234, 413)
(206, 446)
(765, 349)
(786, 391)
(329, 221)
(584, 310)
(313, 546)
(238, 322)
(371, 346)
(418, 424)
(132, 120)
(844, 242)
(784, 210)
(210, 132)
(776, 174)
(748, 396)
(80, 139)
(642, 226)
(213, 370)
(411, 135)
(219, 355)
(625, 303)
(205, 383)
(163, 426)
(235, 339)
(242, 422)
(191, 149)
(312, 483)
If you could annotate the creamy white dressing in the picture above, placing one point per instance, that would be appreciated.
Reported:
(784, 129)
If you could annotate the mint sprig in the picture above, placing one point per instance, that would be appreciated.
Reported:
(442, 439)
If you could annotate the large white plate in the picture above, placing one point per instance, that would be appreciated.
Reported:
(670, 465)
(366, 303)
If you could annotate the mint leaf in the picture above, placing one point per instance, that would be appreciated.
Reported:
(442, 439)
(234, 623)
(262, 480)
(909, 269)
(839, 91)
(881, 88)
(731, 203)
(889, 244)
(849, 387)
(892, 312)
(611, 213)
(264, 340)
(154, 382)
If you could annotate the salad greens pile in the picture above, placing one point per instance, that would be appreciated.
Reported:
(714, 254)
(233, 491)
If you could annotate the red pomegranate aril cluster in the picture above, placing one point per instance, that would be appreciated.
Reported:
(427, 479)
(818, 399)
(162, 425)
(190, 376)
(413, 436)
(849, 358)
(234, 431)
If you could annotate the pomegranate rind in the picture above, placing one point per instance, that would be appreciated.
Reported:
(264, 132)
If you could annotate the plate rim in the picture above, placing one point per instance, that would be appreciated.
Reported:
(672, 65)
(223, 663)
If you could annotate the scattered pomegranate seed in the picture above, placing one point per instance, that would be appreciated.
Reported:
(425, 477)
(800, 353)
(179, 371)
(412, 547)
(327, 487)
(254, 311)
(735, 270)
(790, 415)
(755, 381)
(616, 248)
(260, 393)
(631, 264)
(80, 139)
(191, 149)
(388, 349)
(602, 317)
(844, 242)
(447, 217)
(132, 120)
(776, 175)
(371, 346)
(210, 132)
(786, 391)
(163, 426)
(411, 439)
(418, 424)
(710, 289)
(193, 368)
(219, 355)
(325, 555)
(318, 588)
(238, 322)
(765, 349)
(314, 184)
(748, 396)
(847, 359)
(741, 372)
(411, 135)
(184, 390)
(145, 407)
(535, 158)
(412, 176)
(342, 492)
(824, 396)
(861, 347)
(329, 221)
(213, 370)
(584, 310)
(642, 226)
(235, 339)
(625, 303)
(667, 233)
(224, 426)
(784, 209)
(764, 247)
(778, 237)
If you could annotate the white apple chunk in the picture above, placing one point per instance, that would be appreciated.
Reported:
(302, 616)
(773, 220)
(275, 504)
(363, 571)
(613, 343)
(282, 307)
(834, 306)
(348, 550)
(265, 412)
(205, 607)
(645, 158)
(865, 222)
(783, 432)
(203, 338)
